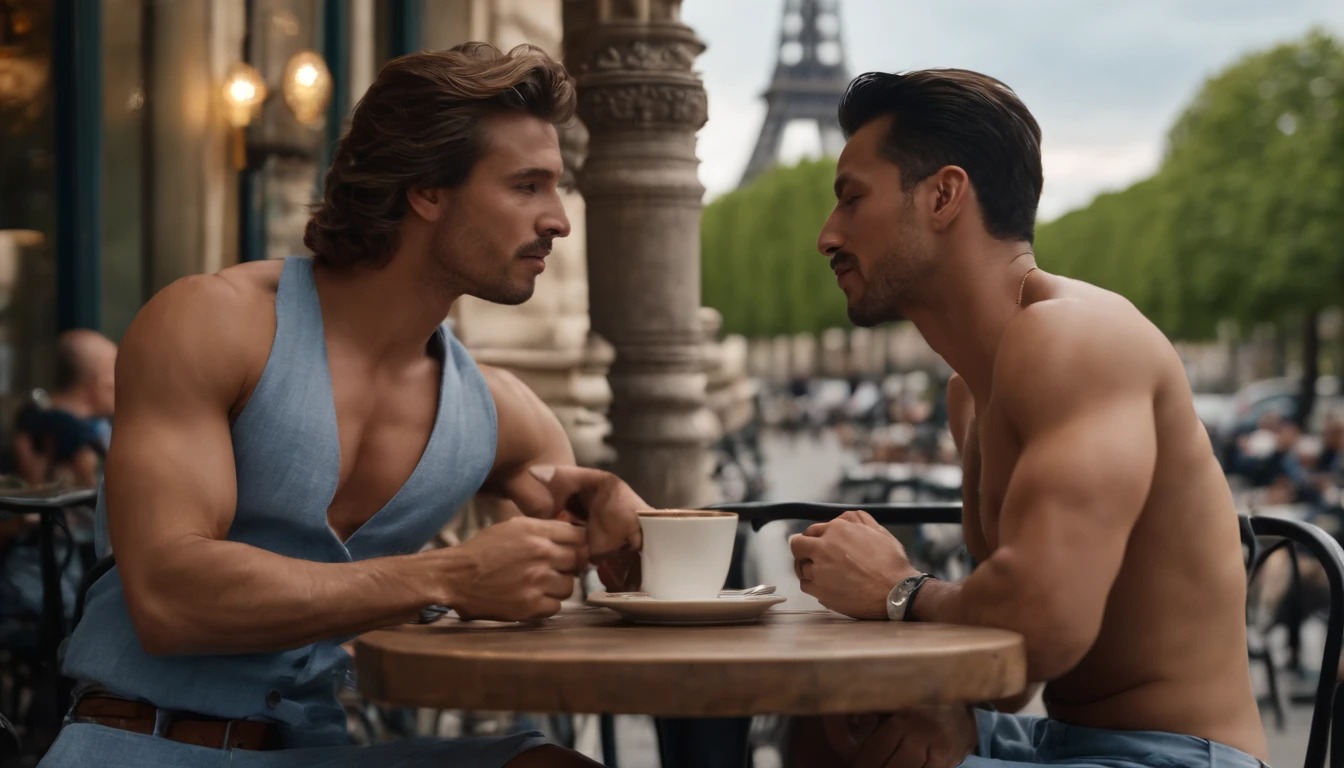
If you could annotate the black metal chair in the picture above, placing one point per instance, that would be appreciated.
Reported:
(1294, 537)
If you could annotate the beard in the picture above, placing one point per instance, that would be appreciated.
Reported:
(894, 281)
(483, 273)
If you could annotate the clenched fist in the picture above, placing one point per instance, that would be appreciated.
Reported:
(516, 570)
(850, 564)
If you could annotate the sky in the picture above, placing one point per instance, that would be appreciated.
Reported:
(1104, 78)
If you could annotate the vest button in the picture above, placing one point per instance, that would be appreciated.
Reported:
(273, 698)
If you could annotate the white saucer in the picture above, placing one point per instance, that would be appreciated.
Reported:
(642, 609)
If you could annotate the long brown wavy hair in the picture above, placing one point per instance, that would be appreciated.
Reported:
(420, 126)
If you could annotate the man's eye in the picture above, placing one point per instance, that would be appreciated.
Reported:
(528, 187)
(848, 201)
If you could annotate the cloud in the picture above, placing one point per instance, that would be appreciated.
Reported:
(1105, 80)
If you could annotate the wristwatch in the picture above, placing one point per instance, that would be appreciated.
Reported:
(903, 594)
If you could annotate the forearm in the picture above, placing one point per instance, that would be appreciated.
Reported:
(996, 594)
(210, 596)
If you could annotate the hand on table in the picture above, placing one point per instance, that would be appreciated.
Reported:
(936, 737)
(850, 564)
(516, 570)
(609, 509)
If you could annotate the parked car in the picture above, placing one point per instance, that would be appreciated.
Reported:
(1280, 396)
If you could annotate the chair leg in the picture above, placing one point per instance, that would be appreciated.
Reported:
(1337, 728)
(1272, 677)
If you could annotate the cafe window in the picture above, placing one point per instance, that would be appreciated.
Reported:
(27, 198)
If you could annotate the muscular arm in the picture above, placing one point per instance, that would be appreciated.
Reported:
(1078, 388)
(170, 487)
(529, 433)
(961, 413)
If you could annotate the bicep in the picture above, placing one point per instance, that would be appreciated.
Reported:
(169, 473)
(529, 431)
(1077, 490)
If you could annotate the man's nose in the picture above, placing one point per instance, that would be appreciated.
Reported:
(554, 223)
(829, 242)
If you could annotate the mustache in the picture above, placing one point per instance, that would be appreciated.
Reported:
(539, 246)
(844, 259)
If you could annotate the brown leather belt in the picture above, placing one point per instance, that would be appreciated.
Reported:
(184, 727)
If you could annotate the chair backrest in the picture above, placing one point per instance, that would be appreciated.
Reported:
(1290, 536)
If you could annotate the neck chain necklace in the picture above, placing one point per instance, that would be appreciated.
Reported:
(1023, 286)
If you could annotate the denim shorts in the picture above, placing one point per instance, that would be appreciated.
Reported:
(1014, 740)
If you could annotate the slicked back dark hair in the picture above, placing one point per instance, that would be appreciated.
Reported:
(943, 117)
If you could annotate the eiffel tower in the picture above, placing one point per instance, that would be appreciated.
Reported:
(810, 77)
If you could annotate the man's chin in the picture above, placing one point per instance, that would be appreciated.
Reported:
(866, 317)
(510, 296)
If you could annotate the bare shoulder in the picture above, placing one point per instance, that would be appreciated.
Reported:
(509, 391)
(207, 331)
(1064, 353)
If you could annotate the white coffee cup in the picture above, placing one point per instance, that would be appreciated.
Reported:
(687, 553)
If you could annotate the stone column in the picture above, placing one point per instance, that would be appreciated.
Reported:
(642, 105)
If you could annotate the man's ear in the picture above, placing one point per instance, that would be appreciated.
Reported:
(950, 192)
(426, 201)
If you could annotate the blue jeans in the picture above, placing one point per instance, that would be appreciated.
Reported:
(81, 745)
(1016, 740)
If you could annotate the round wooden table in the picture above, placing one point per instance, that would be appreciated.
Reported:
(588, 660)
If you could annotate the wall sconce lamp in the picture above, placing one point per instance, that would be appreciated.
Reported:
(244, 93)
(307, 87)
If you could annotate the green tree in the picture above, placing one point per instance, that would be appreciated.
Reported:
(1242, 220)
(760, 265)
(1258, 160)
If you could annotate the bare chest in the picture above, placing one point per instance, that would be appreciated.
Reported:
(987, 465)
(384, 422)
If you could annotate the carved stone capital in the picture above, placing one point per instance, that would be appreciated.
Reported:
(676, 53)
(636, 73)
(625, 106)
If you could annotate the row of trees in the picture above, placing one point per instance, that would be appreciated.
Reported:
(1244, 220)
(759, 261)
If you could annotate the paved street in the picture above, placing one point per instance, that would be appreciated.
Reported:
(804, 468)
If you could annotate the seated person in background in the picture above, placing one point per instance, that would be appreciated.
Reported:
(61, 439)
(1102, 525)
(58, 441)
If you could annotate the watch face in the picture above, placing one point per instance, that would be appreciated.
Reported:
(899, 598)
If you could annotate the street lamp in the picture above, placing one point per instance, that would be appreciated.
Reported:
(307, 87)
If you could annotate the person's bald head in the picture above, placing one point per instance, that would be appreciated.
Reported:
(86, 369)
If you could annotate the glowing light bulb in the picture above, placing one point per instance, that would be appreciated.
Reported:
(307, 87)
(244, 92)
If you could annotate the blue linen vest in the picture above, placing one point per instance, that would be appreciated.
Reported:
(287, 456)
